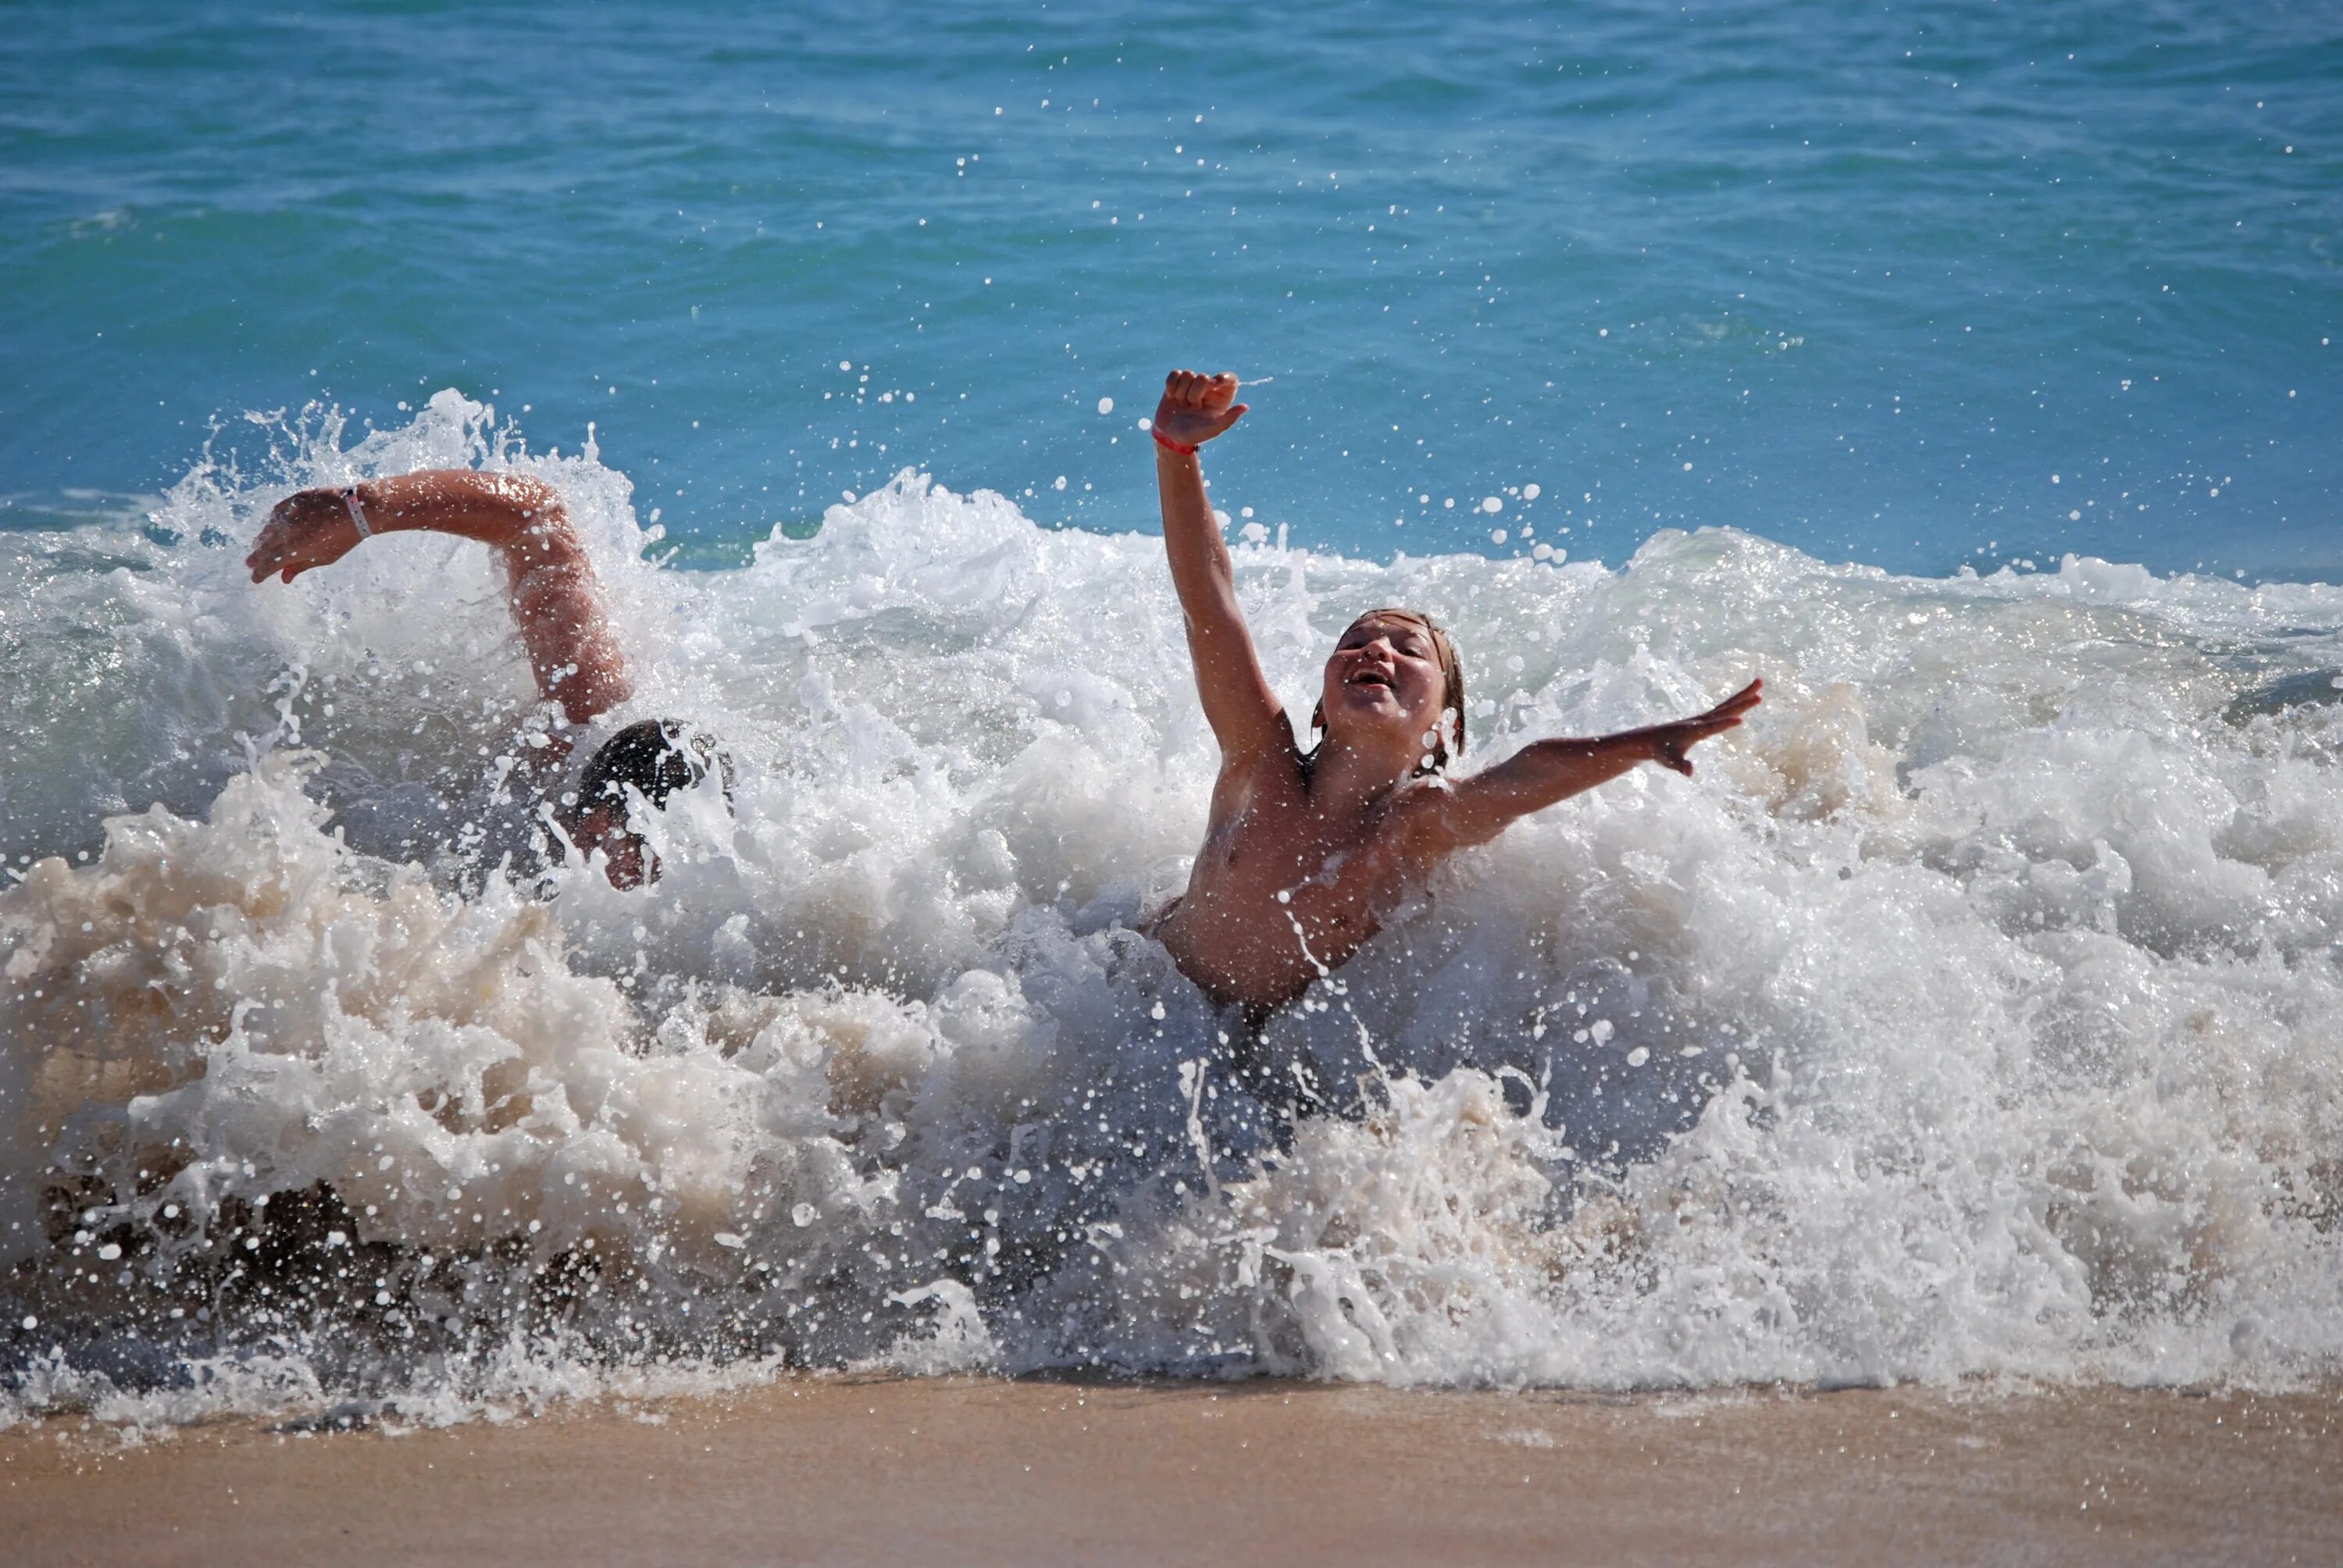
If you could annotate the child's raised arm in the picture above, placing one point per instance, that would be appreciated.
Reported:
(1476, 809)
(1245, 713)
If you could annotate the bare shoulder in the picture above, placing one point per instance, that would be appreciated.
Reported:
(1416, 803)
(1416, 819)
(1426, 794)
(1274, 772)
(1280, 761)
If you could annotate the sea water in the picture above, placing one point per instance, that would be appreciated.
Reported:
(1976, 1010)
(1922, 286)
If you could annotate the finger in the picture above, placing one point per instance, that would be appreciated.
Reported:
(1234, 412)
(1739, 700)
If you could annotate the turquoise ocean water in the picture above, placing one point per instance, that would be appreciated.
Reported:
(1876, 273)
(1965, 370)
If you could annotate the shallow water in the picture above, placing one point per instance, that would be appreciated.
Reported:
(1973, 1011)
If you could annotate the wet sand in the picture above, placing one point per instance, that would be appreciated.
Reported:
(849, 1469)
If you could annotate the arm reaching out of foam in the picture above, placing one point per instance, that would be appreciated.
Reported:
(550, 582)
(1245, 713)
(1476, 809)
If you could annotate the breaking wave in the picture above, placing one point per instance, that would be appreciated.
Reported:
(1978, 1010)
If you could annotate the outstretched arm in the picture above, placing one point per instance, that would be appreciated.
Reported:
(549, 581)
(1243, 710)
(1545, 771)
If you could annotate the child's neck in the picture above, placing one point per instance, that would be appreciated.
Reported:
(1345, 780)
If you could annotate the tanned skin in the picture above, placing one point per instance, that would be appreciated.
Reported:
(1303, 857)
(549, 585)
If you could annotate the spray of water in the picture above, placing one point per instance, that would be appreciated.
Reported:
(1975, 1009)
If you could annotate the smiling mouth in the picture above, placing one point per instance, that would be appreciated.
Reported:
(1373, 678)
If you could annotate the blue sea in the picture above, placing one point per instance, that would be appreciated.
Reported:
(1966, 370)
(1858, 277)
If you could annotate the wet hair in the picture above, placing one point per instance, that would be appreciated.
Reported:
(654, 756)
(1452, 697)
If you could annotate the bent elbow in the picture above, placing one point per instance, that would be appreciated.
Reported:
(535, 500)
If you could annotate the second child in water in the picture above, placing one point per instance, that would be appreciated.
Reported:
(1306, 851)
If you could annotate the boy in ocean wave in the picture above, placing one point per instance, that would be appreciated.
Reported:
(1306, 852)
(556, 603)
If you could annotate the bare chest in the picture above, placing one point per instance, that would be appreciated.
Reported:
(1279, 864)
(1280, 894)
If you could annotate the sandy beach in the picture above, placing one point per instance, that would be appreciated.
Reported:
(853, 1469)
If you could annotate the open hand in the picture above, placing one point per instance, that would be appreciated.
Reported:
(308, 528)
(1669, 742)
(1196, 407)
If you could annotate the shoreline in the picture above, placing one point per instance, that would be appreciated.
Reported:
(866, 1468)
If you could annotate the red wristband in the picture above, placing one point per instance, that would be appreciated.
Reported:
(1169, 444)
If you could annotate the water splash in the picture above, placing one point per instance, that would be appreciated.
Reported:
(1973, 1011)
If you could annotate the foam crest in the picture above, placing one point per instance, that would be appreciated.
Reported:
(1972, 1011)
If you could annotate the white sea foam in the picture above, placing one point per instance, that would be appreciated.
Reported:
(1977, 1008)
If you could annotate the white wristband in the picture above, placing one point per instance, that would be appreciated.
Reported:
(357, 512)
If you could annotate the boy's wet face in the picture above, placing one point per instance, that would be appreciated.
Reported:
(604, 827)
(1384, 677)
